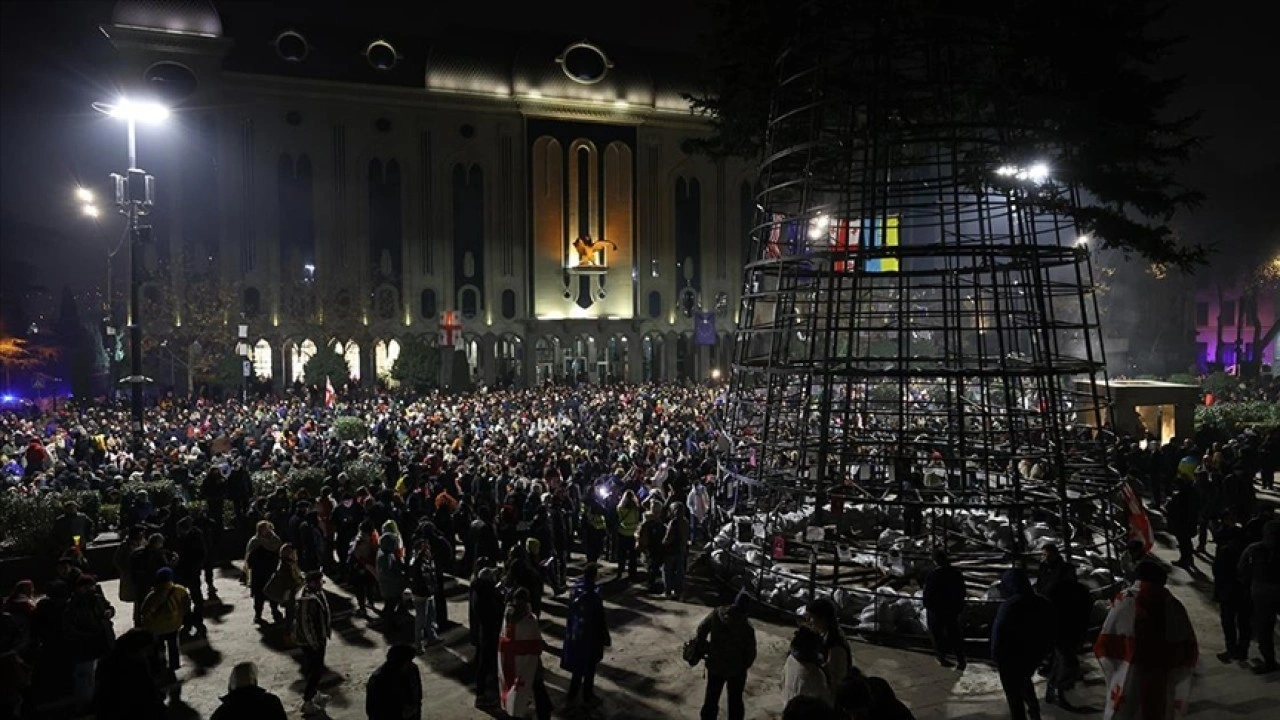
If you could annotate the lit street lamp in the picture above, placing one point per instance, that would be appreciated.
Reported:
(135, 195)
(90, 211)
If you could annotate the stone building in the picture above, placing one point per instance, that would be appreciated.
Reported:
(353, 187)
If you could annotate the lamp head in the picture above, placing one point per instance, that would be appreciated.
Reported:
(136, 110)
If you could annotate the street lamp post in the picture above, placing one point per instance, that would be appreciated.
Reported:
(135, 195)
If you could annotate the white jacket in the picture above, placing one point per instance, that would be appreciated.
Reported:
(803, 679)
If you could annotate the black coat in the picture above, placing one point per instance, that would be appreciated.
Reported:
(391, 690)
(944, 591)
(247, 702)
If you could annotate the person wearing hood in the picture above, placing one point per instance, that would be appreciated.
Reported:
(802, 674)
(1148, 651)
(125, 687)
(520, 673)
(586, 635)
(261, 557)
(870, 698)
(485, 622)
(1020, 639)
(245, 699)
(1071, 606)
(392, 573)
(1260, 567)
(650, 543)
(394, 691)
(164, 611)
(730, 643)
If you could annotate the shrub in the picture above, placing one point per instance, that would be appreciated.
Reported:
(264, 482)
(1184, 379)
(350, 429)
(26, 520)
(1231, 417)
(366, 473)
(160, 492)
(1220, 384)
(306, 482)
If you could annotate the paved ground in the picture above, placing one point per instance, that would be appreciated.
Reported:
(643, 677)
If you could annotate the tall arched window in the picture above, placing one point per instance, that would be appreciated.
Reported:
(352, 355)
(262, 360)
(301, 354)
(384, 357)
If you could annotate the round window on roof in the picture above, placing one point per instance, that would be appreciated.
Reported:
(291, 46)
(584, 63)
(170, 81)
(381, 55)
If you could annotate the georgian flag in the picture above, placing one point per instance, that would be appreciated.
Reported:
(1148, 653)
(330, 397)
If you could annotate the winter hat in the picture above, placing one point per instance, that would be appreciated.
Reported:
(164, 574)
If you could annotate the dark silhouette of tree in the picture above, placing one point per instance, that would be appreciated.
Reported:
(1073, 85)
(326, 364)
(417, 368)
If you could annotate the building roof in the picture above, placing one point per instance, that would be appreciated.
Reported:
(188, 17)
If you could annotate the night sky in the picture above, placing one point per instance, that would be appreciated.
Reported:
(55, 63)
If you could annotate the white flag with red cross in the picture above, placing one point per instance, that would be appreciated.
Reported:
(450, 328)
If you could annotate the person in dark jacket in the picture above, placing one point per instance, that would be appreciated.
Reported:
(394, 691)
(88, 634)
(1071, 603)
(190, 546)
(944, 596)
(586, 636)
(731, 651)
(485, 609)
(1260, 565)
(144, 563)
(1232, 592)
(870, 697)
(1183, 516)
(422, 583)
(482, 539)
(126, 687)
(1020, 638)
(245, 699)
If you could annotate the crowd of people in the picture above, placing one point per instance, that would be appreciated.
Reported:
(518, 496)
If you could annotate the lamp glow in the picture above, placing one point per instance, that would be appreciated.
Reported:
(1082, 241)
(90, 210)
(1038, 173)
(135, 110)
(84, 195)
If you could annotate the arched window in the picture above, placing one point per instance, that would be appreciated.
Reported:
(655, 303)
(262, 360)
(469, 301)
(352, 355)
(508, 304)
(428, 303)
(384, 357)
(301, 354)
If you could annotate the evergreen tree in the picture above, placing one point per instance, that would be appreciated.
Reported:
(418, 366)
(325, 364)
(78, 346)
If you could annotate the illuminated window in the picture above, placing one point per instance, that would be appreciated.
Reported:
(262, 359)
(301, 354)
(384, 357)
(352, 355)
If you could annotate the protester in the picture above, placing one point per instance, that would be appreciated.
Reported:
(520, 673)
(191, 550)
(629, 518)
(89, 634)
(944, 598)
(1021, 637)
(163, 613)
(1148, 651)
(422, 584)
(1071, 603)
(394, 691)
(245, 699)
(802, 673)
(1260, 564)
(1232, 592)
(821, 616)
(586, 635)
(675, 549)
(125, 686)
(282, 589)
(485, 622)
(261, 559)
(730, 644)
(312, 631)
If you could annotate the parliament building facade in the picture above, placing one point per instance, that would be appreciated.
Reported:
(351, 189)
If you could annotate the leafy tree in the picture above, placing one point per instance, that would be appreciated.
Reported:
(418, 366)
(1098, 115)
(207, 311)
(325, 364)
(349, 428)
(82, 350)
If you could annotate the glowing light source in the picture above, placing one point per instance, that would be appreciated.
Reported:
(1082, 241)
(137, 110)
(819, 227)
(1038, 173)
(1007, 170)
(84, 195)
(715, 373)
(90, 211)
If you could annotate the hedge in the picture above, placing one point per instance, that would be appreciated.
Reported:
(1235, 416)
(26, 520)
